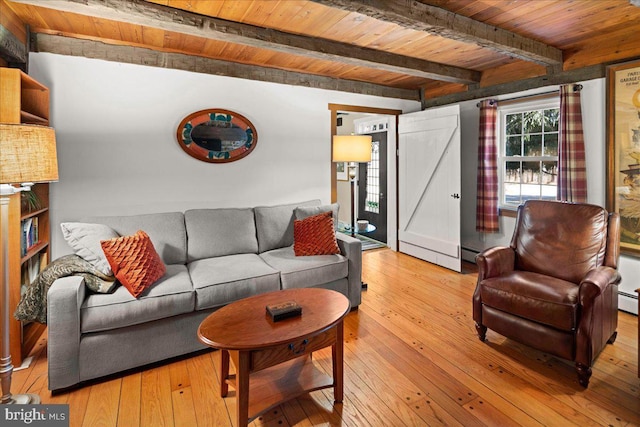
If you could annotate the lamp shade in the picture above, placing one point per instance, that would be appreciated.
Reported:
(352, 148)
(27, 154)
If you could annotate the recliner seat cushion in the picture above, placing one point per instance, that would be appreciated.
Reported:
(307, 271)
(173, 294)
(521, 293)
(222, 280)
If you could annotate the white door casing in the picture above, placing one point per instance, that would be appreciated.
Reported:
(429, 186)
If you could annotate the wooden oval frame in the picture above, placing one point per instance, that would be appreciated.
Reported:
(196, 151)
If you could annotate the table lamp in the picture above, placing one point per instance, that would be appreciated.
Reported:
(353, 149)
(27, 156)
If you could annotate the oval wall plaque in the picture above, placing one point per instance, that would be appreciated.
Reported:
(217, 135)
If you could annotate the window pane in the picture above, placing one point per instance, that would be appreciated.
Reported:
(511, 184)
(530, 180)
(512, 172)
(531, 173)
(532, 122)
(550, 173)
(549, 192)
(533, 145)
(514, 124)
(514, 146)
(551, 120)
(550, 144)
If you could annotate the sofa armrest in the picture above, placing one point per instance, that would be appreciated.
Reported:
(64, 299)
(351, 248)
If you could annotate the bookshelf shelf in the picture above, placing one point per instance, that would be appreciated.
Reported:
(25, 100)
(34, 250)
(27, 215)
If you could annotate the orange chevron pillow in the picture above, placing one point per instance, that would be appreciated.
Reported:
(315, 235)
(134, 261)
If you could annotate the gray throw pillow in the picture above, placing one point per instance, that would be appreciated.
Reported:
(84, 239)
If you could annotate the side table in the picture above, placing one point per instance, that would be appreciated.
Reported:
(273, 359)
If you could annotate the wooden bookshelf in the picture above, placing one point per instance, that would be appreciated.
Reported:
(24, 100)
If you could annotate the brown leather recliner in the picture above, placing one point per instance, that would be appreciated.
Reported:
(555, 288)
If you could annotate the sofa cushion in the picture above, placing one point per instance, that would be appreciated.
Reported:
(85, 239)
(303, 272)
(519, 293)
(221, 280)
(219, 232)
(302, 212)
(134, 261)
(315, 235)
(274, 225)
(170, 296)
(166, 230)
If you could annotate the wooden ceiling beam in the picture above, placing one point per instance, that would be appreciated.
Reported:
(559, 78)
(138, 12)
(440, 22)
(142, 56)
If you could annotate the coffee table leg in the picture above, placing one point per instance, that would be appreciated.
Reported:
(337, 353)
(242, 388)
(224, 372)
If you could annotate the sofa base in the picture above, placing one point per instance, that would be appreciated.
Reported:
(137, 346)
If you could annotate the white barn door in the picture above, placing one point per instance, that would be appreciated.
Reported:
(429, 186)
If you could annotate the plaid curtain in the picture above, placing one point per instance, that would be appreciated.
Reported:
(487, 203)
(572, 170)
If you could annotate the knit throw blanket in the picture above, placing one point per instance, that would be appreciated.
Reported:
(33, 304)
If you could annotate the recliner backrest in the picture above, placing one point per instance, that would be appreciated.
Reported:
(560, 239)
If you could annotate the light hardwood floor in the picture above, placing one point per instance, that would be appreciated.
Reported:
(412, 358)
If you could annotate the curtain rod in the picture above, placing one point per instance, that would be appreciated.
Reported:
(576, 88)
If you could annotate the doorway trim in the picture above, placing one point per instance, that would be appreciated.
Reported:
(335, 108)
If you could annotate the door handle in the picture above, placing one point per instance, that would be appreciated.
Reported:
(455, 196)
(382, 195)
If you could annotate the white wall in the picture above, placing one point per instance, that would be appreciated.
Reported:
(594, 118)
(117, 150)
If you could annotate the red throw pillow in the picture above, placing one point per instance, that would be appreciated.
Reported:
(134, 261)
(315, 235)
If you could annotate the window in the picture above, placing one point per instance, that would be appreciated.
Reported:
(528, 159)
(372, 203)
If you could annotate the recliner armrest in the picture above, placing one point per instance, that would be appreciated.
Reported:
(596, 282)
(495, 261)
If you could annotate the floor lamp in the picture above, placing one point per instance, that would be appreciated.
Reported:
(353, 149)
(27, 156)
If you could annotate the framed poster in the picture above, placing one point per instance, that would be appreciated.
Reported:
(341, 171)
(623, 151)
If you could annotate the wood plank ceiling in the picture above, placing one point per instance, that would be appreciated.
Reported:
(436, 49)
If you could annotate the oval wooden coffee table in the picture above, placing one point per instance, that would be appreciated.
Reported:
(273, 359)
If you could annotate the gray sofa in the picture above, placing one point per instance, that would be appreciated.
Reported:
(213, 257)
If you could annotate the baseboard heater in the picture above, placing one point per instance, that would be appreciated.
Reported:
(469, 254)
(628, 295)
